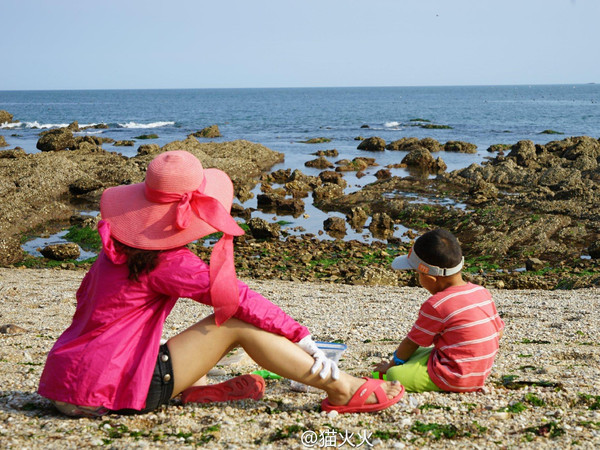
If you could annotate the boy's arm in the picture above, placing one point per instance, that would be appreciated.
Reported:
(406, 349)
(404, 352)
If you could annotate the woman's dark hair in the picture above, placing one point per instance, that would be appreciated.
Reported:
(439, 248)
(139, 261)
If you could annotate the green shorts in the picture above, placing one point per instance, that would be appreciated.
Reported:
(413, 373)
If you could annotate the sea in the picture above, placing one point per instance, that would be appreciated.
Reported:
(282, 118)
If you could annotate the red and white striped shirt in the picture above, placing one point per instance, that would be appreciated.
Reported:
(464, 327)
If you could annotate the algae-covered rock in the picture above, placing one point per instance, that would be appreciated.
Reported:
(209, 132)
(59, 139)
(460, 147)
(372, 144)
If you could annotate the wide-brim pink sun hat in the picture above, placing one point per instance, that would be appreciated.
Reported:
(139, 222)
(178, 203)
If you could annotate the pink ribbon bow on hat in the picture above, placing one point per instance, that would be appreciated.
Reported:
(223, 280)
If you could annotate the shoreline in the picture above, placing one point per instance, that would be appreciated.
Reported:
(560, 347)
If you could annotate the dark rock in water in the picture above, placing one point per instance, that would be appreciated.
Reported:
(61, 252)
(208, 132)
(356, 165)
(329, 153)
(11, 329)
(499, 148)
(551, 132)
(59, 139)
(84, 221)
(372, 144)
(327, 191)
(147, 136)
(408, 144)
(594, 250)
(319, 163)
(421, 158)
(239, 211)
(261, 229)
(3, 142)
(148, 149)
(84, 185)
(460, 147)
(357, 217)
(335, 226)
(98, 126)
(403, 144)
(359, 138)
(5, 116)
(383, 174)
(319, 140)
(124, 143)
(365, 126)
(297, 189)
(381, 225)
(271, 202)
(533, 264)
(73, 126)
(333, 177)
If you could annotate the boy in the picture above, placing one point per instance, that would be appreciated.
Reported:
(459, 319)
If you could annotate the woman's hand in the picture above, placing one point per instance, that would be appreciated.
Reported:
(323, 364)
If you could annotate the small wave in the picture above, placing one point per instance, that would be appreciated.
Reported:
(10, 125)
(36, 124)
(145, 125)
(392, 124)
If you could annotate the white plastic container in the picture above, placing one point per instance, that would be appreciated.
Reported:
(333, 351)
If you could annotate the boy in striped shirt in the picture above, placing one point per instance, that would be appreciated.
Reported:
(459, 319)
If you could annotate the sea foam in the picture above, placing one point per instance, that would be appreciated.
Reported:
(145, 125)
(392, 124)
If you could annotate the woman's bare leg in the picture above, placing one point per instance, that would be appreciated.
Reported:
(196, 350)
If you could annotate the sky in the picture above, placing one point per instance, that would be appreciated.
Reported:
(145, 44)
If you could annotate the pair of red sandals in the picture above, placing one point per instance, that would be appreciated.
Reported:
(253, 387)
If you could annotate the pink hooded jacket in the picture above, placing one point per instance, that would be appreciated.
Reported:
(107, 356)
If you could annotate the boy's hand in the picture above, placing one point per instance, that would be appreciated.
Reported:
(384, 366)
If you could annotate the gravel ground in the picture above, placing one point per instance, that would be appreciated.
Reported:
(544, 391)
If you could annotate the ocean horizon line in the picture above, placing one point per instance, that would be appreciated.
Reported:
(272, 88)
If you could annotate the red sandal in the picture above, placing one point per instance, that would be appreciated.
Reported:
(237, 388)
(357, 402)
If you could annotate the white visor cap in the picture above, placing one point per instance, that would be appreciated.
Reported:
(413, 262)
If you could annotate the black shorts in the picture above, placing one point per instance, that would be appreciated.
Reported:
(161, 386)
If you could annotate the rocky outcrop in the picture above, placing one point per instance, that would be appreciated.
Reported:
(3, 141)
(36, 189)
(357, 217)
(460, 147)
(261, 229)
(372, 144)
(408, 143)
(335, 226)
(422, 159)
(333, 177)
(5, 117)
(61, 252)
(320, 163)
(272, 202)
(328, 153)
(59, 139)
(124, 143)
(208, 132)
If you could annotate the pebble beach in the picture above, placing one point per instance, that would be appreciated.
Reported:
(544, 391)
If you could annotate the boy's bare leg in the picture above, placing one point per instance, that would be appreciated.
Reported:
(196, 350)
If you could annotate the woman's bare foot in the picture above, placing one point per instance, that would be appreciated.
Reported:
(347, 385)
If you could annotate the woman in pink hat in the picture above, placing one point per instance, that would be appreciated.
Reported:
(111, 360)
